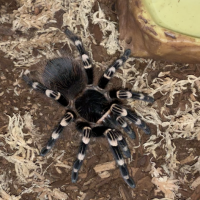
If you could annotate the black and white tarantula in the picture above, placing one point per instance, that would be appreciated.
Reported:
(100, 112)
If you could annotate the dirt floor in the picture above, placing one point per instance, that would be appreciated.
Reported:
(164, 166)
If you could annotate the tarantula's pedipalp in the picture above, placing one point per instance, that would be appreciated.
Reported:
(127, 94)
(100, 112)
(49, 93)
(120, 111)
(86, 130)
(112, 137)
(68, 117)
(108, 74)
(85, 58)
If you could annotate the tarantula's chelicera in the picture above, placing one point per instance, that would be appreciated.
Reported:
(100, 112)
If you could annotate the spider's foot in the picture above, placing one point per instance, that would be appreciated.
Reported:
(142, 125)
(148, 99)
(71, 35)
(146, 129)
(76, 167)
(27, 80)
(126, 177)
(127, 53)
(130, 182)
(74, 177)
(44, 151)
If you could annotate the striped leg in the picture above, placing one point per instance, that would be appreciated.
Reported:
(68, 117)
(127, 94)
(108, 74)
(122, 122)
(86, 130)
(85, 58)
(112, 137)
(120, 111)
(49, 93)
(123, 144)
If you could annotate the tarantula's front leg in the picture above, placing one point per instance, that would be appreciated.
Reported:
(49, 93)
(86, 130)
(85, 58)
(132, 116)
(108, 74)
(68, 117)
(127, 94)
(113, 139)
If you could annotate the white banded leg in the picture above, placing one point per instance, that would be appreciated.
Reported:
(81, 154)
(68, 117)
(113, 141)
(108, 74)
(120, 111)
(57, 96)
(84, 56)
(122, 122)
(123, 144)
(127, 94)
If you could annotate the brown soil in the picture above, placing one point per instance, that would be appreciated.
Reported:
(46, 114)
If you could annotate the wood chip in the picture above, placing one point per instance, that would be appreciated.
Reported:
(105, 166)
(187, 160)
(104, 174)
(196, 183)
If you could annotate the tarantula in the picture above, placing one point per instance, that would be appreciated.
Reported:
(100, 112)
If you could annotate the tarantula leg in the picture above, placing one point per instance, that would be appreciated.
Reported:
(85, 58)
(120, 111)
(122, 122)
(68, 117)
(113, 141)
(108, 74)
(123, 144)
(127, 94)
(86, 130)
(49, 93)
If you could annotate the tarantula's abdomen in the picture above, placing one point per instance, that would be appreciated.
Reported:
(65, 76)
(92, 105)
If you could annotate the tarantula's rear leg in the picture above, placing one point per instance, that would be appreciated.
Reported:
(132, 116)
(85, 58)
(86, 130)
(123, 144)
(113, 139)
(112, 69)
(121, 121)
(127, 94)
(49, 93)
(68, 117)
